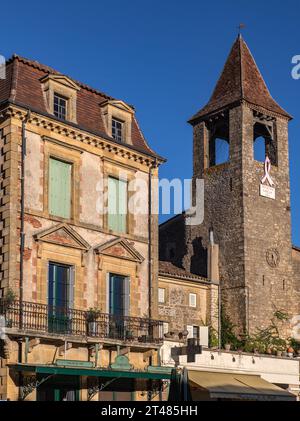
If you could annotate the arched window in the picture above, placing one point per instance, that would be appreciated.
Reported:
(218, 140)
(264, 141)
(260, 149)
(221, 151)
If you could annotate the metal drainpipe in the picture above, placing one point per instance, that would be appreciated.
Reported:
(220, 317)
(22, 235)
(153, 165)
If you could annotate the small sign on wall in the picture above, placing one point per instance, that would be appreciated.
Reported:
(267, 186)
(267, 191)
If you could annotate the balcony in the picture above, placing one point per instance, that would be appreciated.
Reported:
(48, 320)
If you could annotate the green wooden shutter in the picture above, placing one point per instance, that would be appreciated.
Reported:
(112, 204)
(117, 205)
(122, 215)
(60, 188)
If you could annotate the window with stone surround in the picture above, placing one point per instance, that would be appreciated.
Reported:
(161, 295)
(61, 187)
(117, 205)
(60, 183)
(192, 300)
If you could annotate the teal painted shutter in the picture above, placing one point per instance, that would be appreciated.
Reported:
(117, 205)
(60, 188)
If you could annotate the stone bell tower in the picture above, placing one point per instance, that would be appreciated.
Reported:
(251, 224)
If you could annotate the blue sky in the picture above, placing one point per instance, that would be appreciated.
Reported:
(164, 57)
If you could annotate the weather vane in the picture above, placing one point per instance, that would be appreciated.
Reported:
(241, 27)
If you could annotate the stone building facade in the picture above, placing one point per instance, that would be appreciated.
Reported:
(259, 269)
(78, 283)
(188, 303)
(182, 301)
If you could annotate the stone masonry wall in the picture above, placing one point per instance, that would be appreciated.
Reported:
(267, 229)
(246, 226)
(223, 203)
(176, 310)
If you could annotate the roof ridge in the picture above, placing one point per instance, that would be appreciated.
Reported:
(261, 77)
(241, 65)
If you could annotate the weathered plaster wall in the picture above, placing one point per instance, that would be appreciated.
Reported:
(89, 226)
(34, 171)
(91, 179)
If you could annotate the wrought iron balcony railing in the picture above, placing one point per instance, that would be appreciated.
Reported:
(37, 317)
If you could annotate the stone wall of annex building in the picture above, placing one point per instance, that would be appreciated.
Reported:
(176, 310)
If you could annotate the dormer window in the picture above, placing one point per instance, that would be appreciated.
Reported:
(60, 106)
(117, 130)
(117, 117)
(60, 95)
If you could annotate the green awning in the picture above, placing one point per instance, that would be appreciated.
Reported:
(90, 372)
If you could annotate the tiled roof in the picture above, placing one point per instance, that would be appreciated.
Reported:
(240, 80)
(22, 86)
(168, 268)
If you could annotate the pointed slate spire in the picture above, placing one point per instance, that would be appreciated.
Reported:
(240, 80)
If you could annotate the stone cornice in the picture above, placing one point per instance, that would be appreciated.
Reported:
(14, 111)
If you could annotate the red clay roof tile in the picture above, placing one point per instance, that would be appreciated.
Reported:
(240, 80)
(22, 86)
(168, 268)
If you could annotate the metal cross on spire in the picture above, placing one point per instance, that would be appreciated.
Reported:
(241, 27)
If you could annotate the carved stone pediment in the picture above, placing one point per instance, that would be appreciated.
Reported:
(121, 249)
(116, 103)
(61, 79)
(63, 235)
